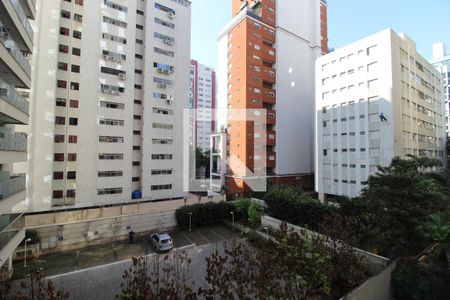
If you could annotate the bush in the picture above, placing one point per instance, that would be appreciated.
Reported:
(206, 214)
(242, 205)
(292, 205)
(407, 282)
(255, 211)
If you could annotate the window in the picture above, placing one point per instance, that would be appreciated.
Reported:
(65, 14)
(61, 84)
(64, 31)
(162, 142)
(115, 6)
(136, 117)
(114, 22)
(139, 102)
(109, 191)
(58, 175)
(73, 103)
(136, 132)
(110, 174)
(62, 66)
(76, 34)
(60, 102)
(76, 51)
(71, 175)
(136, 148)
(164, 23)
(139, 42)
(139, 56)
(74, 86)
(139, 27)
(78, 18)
(58, 194)
(161, 187)
(139, 12)
(79, 2)
(164, 52)
(60, 120)
(112, 71)
(161, 172)
(136, 163)
(72, 157)
(161, 156)
(58, 157)
(110, 156)
(63, 48)
(59, 138)
(164, 8)
(136, 71)
(135, 179)
(73, 121)
(114, 38)
(73, 139)
(111, 122)
(75, 68)
(110, 139)
(112, 105)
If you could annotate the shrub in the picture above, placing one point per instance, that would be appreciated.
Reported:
(408, 283)
(242, 205)
(255, 211)
(206, 214)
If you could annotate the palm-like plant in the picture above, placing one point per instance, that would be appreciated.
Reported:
(436, 228)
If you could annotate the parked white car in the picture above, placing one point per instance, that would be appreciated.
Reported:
(161, 241)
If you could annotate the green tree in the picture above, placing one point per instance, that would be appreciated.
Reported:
(436, 228)
(255, 211)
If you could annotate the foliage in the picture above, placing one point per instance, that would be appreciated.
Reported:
(436, 228)
(242, 205)
(255, 211)
(205, 214)
(167, 279)
(296, 267)
(35, 288)
(201, 158)
(30, 234)
(292, 205)
(408, 283)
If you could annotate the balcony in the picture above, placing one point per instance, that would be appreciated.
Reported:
(9, 95)
(29, 7)
(12, 186)
(12, 232)
(268, 54)
(268, 96)
(15, 19)
(14, 67)
(268, 75)
(271, 117)
(13, 142)
(271, 137)
(271, 161)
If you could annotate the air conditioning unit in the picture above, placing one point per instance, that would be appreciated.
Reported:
(122, 76)
(170, 15)
(170, 97)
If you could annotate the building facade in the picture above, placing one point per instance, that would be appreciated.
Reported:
(16, 44)
(111, 84)
(266, 59)
(441, 61)
(376, 99)
(203, 95)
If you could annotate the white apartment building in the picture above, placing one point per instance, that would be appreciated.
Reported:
(203, 94)
(441, 61)
(16, 44)
(111, 83)
(376, 99)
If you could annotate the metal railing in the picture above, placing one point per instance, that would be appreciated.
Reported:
(13, 142)
(18, 57)
(12, 186)
(23, 18)
(10, 95)
(13, 224)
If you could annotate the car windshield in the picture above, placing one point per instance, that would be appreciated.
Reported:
(165, 241)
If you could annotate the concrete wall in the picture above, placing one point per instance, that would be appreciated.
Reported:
(66, 230)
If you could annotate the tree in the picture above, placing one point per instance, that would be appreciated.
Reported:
(436, 228)
(255, 211)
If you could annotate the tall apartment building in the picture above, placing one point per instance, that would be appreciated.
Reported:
(376, 99)
(266, 61)
(203, 100)
(441, 61)
(111, 83)
(16, 44)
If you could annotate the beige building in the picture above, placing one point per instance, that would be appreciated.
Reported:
(101, 134)
(16, 44)
(376, 99)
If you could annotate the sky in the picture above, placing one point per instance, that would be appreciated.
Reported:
(426, 22)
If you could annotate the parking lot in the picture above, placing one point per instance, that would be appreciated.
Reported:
(63, 262)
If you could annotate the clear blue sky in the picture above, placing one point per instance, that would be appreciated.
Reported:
(426, 22)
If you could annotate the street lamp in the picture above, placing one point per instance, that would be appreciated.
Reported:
(190, 221)
(232, 218)
(267, 231)
(25, 256)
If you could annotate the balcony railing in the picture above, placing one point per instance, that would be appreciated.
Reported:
(10, 95)
(18, 56)
(11, 225)
(13, 142)
(23, 18)
(12, 186)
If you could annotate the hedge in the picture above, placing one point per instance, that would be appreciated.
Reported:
(206, 214)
